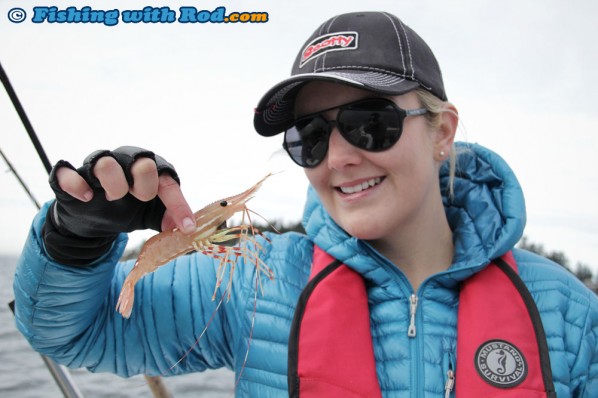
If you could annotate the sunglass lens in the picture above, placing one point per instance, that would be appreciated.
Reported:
(307, 141)
(370, 125)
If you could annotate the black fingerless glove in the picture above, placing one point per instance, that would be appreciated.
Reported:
(76, 232)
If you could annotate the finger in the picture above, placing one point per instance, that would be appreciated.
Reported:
(145, 179)
(72, 183)
(111, 177)
(178, 211)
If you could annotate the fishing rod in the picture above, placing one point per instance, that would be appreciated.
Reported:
(60, 373)
(21, 112)
(14, 171)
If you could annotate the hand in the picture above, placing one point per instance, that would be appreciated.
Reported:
(119, 191)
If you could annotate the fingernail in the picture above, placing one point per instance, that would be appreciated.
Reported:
(87, 195)
(188, 225)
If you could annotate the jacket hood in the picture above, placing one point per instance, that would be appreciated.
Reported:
(486, 215)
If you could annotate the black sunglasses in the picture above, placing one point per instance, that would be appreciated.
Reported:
(372, 124)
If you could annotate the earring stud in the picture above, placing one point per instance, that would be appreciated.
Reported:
(442, 154)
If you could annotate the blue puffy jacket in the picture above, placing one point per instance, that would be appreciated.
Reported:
(68, 313)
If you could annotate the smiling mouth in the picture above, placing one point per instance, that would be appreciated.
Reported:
(360, 187)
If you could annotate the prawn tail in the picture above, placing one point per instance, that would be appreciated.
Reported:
(126, 298)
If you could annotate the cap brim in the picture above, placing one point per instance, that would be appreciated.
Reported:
(274, 112)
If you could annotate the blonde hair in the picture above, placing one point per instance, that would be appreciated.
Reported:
(436, 107)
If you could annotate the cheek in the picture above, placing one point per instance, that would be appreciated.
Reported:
(403, 158)
(415, 148)
(410, 167)
(316, 177)
(319, 179)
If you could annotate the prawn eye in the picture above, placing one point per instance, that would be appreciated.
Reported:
(224, 203)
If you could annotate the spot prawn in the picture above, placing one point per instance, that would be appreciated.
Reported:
(210, 238)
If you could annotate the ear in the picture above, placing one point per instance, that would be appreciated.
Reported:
(447, 129)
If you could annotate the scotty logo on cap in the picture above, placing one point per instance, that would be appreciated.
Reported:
(338, 41)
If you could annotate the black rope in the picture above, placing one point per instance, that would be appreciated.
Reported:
(19, 108)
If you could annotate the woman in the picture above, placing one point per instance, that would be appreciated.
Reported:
(407, 242)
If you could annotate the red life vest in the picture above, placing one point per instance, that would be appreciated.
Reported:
(501, 347)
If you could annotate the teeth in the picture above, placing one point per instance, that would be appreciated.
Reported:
(360, 187)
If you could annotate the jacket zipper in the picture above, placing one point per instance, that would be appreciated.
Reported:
(417, 365)
(449, 385)
(411, 331)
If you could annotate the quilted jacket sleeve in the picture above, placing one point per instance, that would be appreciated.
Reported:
(67, 313)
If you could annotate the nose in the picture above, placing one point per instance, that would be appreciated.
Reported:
(340, 152)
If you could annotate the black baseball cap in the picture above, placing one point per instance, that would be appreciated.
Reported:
(374, 51)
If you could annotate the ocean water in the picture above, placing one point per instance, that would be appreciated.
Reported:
(23, 373)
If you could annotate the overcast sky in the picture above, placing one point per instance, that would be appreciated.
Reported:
(523, 74)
